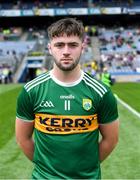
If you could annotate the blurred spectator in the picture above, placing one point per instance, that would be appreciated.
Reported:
(40, 71)
(106, 77)
(5, 72)
(10, 76)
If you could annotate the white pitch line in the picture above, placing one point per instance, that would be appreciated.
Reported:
(128, 107)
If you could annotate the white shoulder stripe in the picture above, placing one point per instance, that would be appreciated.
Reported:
(36, 80)
(28, 89)
(95, 85)
(95, 81)
(93, 88)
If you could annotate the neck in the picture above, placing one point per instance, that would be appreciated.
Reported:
(67, 76)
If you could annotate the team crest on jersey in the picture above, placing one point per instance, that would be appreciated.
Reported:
(87, 104)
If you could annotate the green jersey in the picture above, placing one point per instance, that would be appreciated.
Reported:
(66, 118)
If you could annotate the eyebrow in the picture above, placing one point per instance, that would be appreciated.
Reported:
(69, 43)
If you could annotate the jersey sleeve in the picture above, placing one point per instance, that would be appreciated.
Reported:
(24, 106)
(108, 110)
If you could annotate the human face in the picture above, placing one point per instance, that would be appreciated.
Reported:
(66, 51)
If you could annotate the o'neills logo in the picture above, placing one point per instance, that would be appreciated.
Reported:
(66, 124)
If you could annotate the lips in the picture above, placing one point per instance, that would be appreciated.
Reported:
(66, 59)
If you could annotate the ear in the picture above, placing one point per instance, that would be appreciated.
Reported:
(49, 48)
(83, 47)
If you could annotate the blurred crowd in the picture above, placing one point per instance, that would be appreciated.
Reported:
(119, 47)
(20, 4)
(6, 74)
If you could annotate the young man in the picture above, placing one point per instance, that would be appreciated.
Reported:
(66, 109)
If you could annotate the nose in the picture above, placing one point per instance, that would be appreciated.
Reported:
(66, 51)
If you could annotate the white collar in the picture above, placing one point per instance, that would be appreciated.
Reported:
(61, 83)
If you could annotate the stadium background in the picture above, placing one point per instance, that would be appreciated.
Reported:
(23, 51)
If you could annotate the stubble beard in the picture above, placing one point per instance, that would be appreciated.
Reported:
(67, 67)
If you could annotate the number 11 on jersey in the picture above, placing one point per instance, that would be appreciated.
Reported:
(67, 106)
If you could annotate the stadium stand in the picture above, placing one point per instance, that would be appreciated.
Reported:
(27, 4)
(120, 49)
(117, 47)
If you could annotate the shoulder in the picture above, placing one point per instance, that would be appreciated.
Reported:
(37, 81)
(100, 88)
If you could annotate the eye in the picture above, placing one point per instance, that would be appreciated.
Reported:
(73, 45)
(59, 45)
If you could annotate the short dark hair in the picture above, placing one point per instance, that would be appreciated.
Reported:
(68, 26)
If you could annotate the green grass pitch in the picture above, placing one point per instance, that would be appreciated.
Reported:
(123, 163)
